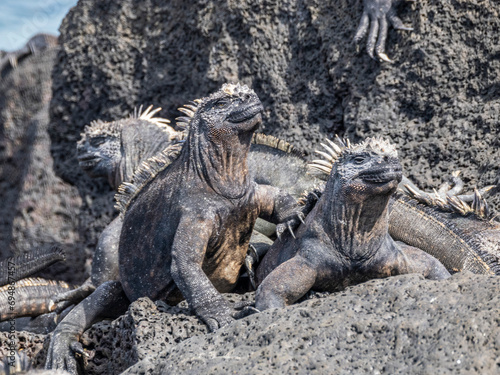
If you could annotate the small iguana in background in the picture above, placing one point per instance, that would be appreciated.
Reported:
(35, 44)
(345, 239)
(459, 230)
(188, 218)
(377, 14)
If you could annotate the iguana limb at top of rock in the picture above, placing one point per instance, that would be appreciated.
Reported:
(377, 14)
(200, 207)
(37, 43)
(345, 238)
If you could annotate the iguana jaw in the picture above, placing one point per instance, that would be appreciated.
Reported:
(381, 181)
(94, 165)
(246, 113)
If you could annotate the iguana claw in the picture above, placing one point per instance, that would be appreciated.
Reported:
(77, 348)
(301, 217)
(290, 229)
(377, 14)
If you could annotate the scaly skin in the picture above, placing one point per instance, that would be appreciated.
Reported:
(113, 149)
(16, 268)
(377, 14)
(456, 229)
(206, 190)
(461, 241)
(31, 297)
(345, 238)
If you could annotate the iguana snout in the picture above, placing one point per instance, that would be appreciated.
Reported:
(233, 110)
(97, 154)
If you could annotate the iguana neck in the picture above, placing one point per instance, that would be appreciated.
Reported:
(138, 143)
(221, 163)
(359, 226)
(117, 175)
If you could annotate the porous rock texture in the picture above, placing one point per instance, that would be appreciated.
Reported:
(37, 208)
(439, 102)
(399, 325)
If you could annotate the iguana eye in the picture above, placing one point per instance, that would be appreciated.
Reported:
(221, 104)
(96, 142)
(360, 159)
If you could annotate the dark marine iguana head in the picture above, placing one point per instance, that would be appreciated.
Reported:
(368, 169)
(115, 149)
(220, 133)
(354, 206)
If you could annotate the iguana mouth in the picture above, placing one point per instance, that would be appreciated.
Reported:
(88, 161)
(382, 176)
(246, 113)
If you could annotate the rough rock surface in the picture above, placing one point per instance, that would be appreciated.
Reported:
(399, 325)
(38, 208)
(29, 343)
(439, 102)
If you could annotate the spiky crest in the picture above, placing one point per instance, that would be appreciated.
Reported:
(321, 168)
(113, 128)
(36, 281)
(454, 204)
(148, 169)
(279, 144)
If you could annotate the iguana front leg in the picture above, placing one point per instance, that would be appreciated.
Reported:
(188, 253)
(418, 261)
(286, 284)
(376, 14)
(108, 301)
(279, 207)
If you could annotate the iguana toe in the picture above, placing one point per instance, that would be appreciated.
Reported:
(61, 353)
(377, 14)
(244, 312)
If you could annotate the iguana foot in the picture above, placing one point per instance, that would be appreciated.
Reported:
(218, 315)
(215, 313)
(61, 355)
(377, 14)
(73, 297)
(251, 260)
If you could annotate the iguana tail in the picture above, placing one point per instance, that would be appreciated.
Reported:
(428, 229)
(17, 268)
(29, 297)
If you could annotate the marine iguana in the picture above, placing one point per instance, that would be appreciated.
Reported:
(37, 43)
(114, 149)
(200, 207)
(377, 14)
(345, 238)
(461, 236)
